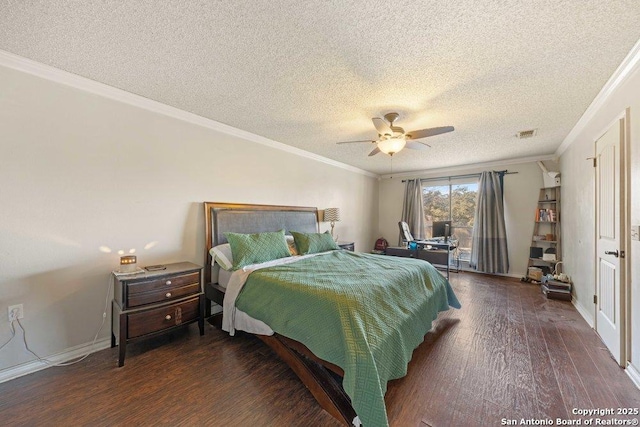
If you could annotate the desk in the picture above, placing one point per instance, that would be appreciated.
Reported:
(439, 244)
(437, 253)
(449, 245)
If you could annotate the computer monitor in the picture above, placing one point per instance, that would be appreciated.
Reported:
(441, 229)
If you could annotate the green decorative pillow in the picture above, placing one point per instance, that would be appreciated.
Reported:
(255, 248)
(312, 243)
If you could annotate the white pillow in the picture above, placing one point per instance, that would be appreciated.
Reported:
(222, 255)
(223, 277)
(293, 250)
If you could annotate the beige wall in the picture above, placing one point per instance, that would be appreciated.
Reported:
(578, 205)
(520, 201)
(578, 224)
(79, 171)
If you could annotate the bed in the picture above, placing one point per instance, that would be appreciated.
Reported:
(363, 314)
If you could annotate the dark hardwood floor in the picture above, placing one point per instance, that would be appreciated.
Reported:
(508, 353)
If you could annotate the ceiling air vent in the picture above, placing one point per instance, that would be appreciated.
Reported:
(526, 133)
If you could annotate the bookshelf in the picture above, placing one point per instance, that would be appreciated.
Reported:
(545, 250)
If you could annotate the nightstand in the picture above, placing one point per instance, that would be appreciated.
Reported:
(348, 246)
(155, 302)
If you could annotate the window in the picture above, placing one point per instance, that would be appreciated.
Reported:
(455, 202)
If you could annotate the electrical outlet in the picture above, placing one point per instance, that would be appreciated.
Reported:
(16, 312)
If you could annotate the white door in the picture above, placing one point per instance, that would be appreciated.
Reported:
(609, 255)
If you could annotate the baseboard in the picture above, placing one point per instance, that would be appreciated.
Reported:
(633, 373)
(586, 315)
(66, 356)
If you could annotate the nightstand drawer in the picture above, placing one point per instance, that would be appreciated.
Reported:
(158, 319)
(163, 284)
(347, 246)
(167, 294)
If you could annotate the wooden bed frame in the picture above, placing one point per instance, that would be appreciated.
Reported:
(322, 378)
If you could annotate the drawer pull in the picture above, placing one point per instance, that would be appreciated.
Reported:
(167, 317)
(168, 282)
(168, 295)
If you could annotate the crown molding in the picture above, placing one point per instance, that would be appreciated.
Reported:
(625, 70)
(56, 75)
(466, 168)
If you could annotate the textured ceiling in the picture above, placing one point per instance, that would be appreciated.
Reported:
(309, 74)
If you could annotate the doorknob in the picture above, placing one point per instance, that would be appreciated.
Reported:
(614, 253)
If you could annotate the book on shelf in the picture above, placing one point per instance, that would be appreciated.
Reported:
(546, 215)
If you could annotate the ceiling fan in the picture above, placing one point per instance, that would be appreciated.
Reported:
(392, 139)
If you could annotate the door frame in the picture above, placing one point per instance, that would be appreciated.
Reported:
(625, 242)
(626, 205)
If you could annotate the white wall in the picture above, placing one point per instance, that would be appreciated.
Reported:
(79, 171)
(578, 205)
(521, 192)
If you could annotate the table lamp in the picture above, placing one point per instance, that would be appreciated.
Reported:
(332, 215)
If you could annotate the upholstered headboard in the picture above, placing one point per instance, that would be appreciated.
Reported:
(244, 218)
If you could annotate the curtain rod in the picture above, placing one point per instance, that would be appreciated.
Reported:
(470, 175)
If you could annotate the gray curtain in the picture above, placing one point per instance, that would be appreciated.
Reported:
(489, 249)
(413, 209)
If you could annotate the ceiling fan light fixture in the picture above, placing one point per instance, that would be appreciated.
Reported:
(392, 139)
(392, 145)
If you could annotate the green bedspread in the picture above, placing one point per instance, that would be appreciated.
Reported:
(365, 313)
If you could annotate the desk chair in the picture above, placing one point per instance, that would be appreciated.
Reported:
(405, 232)
(408, 237)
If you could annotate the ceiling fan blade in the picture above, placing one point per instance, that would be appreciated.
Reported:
(382, 126)
(423, 133)
(374, 152)
(351, 142)
(417, 145)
